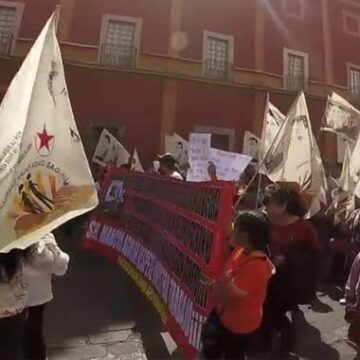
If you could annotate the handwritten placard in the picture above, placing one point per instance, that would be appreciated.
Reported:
(229, 165)
(199, 157)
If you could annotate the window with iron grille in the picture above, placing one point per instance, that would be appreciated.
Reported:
(354, 81)
(217, 58)
(119, 46)
(295, 72)
(7, 18)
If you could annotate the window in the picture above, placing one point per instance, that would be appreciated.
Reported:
(354, 79)
(10, 18)
(296, 70)
(294, 9)
(351, 23)
(120, 41)
(221, 138)
(217, 56)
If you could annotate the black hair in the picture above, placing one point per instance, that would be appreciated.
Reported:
(256, 225)
(284, 197)
(11, 263)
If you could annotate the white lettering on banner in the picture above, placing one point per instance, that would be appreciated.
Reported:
(178, 302)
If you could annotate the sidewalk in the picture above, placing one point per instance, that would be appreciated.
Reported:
(98, 313)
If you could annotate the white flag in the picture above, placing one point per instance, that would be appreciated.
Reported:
(136, 165)
(272, 122)
(346, 181)
(109, 151)
(252, 145)
(44, 175)
(344, 201)
(295, 157)
(341, 117)
(179, 148)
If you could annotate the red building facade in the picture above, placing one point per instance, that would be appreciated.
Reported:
(145, 68)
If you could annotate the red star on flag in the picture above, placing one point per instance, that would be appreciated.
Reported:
(45, 138)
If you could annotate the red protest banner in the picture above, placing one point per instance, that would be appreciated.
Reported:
(169, 236)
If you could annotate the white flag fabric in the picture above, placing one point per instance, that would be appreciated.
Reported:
(252, 145)
(341, 117)
(273, 120)
(179, 148)
(44, 175)
(344, 199)
(294, 155)
(346, 181)
(109, 151)
(136, 166)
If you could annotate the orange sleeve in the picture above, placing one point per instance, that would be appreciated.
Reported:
(253, 277)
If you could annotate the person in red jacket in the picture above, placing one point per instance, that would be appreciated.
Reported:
(294, 249)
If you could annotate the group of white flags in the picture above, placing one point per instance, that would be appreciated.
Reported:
(111, 152)
(45, 178)
(290, 152)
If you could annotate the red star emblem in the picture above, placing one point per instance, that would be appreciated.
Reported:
(45, 138)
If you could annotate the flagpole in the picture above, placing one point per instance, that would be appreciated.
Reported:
(258, 191)
(262, 162)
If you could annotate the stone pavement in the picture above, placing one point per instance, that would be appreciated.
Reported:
(98, 313)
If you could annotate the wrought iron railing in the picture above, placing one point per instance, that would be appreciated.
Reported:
(216, 70)
(295, 83)
(118, 55)
(6, 39)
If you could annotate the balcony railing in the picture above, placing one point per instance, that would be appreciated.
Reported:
(5, 43)
(216, 70)
(295, 83)
(118, 55)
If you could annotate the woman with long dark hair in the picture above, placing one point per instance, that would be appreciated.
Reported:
(13, 297)
(294, 248)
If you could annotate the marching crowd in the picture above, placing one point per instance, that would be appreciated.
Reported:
(274, 254)
(276, 260)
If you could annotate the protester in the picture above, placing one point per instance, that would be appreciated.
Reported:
(294, 248)
(169, 166)
(352, 296)
(240, 291)
(45, 259)
(13, 297)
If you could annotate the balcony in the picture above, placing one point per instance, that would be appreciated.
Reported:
(5, 43)
(216, 70)
(120, 56)
(295, 83)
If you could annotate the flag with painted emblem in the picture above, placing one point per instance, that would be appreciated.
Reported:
(294, 155)
(273, 120)
(44, 174)
(341, 117)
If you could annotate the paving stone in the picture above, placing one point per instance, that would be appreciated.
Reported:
(63, 343)
(82, 353)
(125, 325)
(127, 350)
(110, 337)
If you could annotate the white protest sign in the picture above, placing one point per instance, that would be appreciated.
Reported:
(45, 179)
(199, 157)
(109, 151)
(229, 165)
